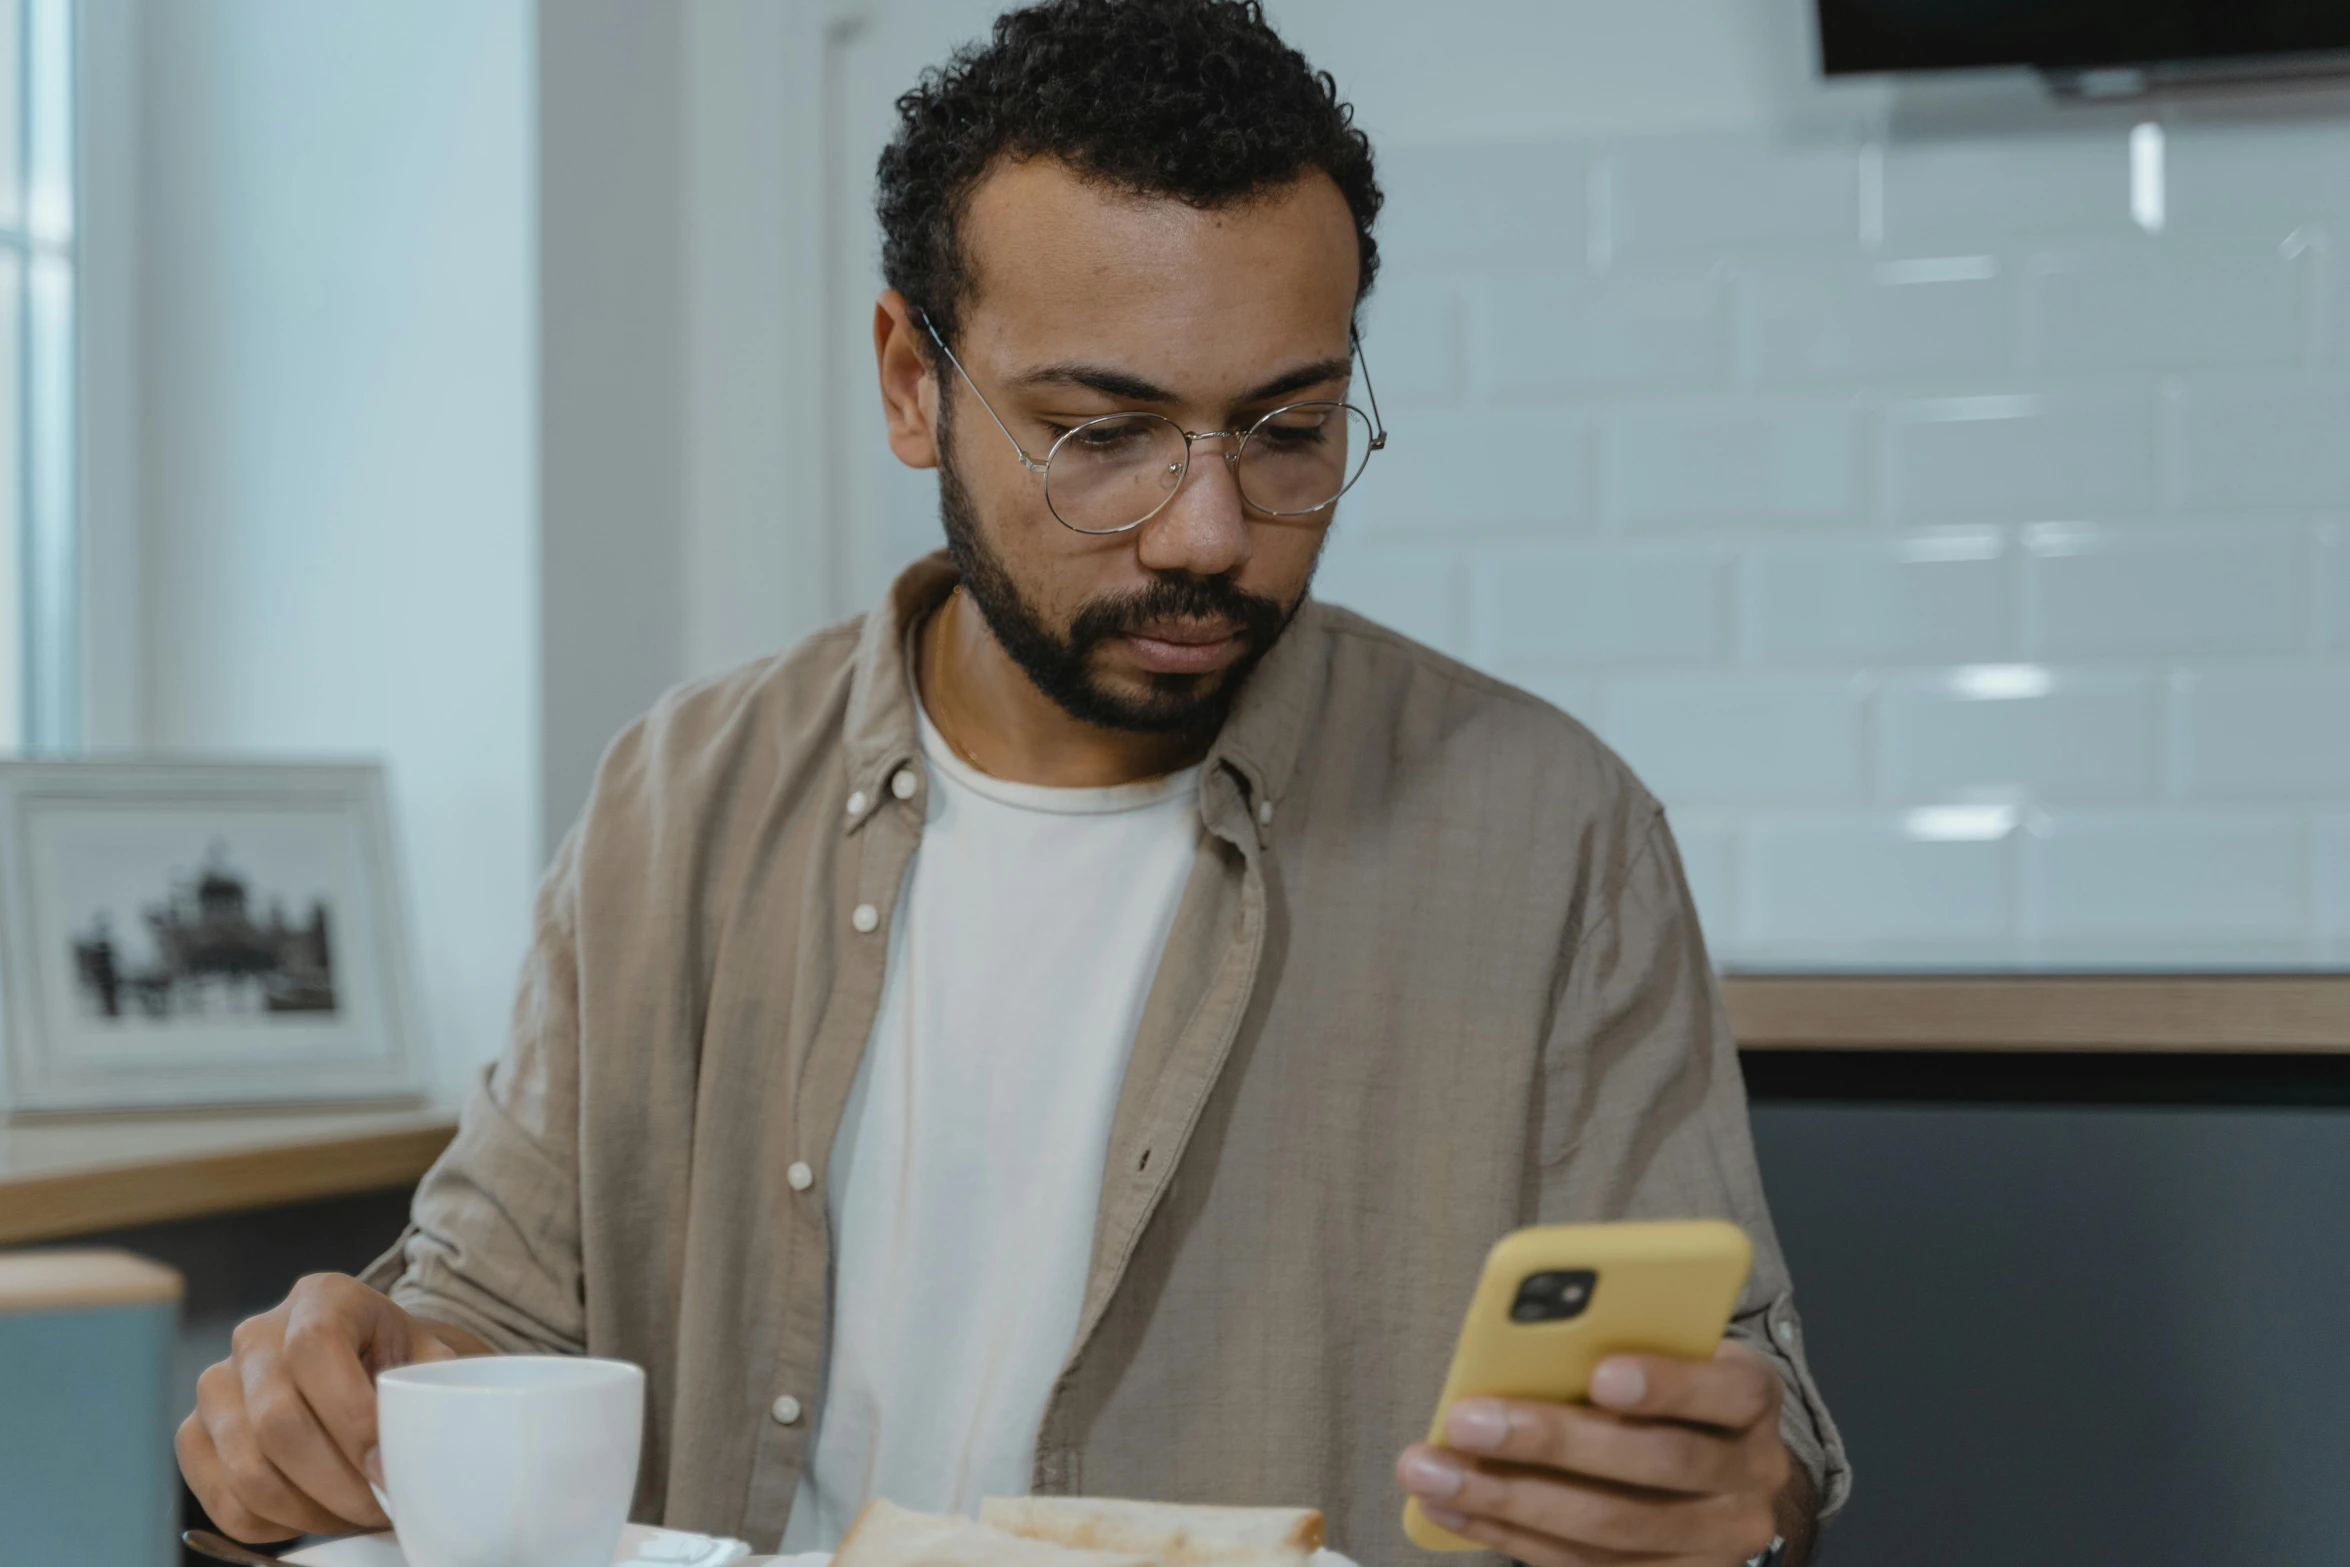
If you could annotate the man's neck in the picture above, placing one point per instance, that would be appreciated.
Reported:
(999, 722)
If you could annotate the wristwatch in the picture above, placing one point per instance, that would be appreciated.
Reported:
(1772, 1557)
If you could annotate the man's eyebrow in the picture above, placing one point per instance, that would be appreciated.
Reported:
(1134, 389)
(1299, 379)
(1110, 383)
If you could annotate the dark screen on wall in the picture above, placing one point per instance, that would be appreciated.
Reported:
(1932, 35)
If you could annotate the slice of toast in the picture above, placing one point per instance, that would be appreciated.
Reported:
(887, 1535)
(1173, 1534)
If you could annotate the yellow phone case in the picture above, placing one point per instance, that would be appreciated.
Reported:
(1663, 1288)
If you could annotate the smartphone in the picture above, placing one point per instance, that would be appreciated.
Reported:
(1557, 1299)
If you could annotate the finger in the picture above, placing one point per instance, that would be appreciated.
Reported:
(1661, 1455)
(200, 1466)
(425, 1344)
(1731, 1392)
(1586, 1513)
(289, 1435)
(336, 1331)
(259, 1486)
(1524, 1545)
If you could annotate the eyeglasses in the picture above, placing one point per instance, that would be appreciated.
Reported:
(1115, 473)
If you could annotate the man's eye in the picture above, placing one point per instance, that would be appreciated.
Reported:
(1103, 437)
(1298, 435)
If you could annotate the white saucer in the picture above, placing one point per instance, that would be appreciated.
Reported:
(382, 1550)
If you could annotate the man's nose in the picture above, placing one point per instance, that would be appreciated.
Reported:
(1204, 529)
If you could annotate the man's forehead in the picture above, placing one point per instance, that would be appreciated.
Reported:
(1063, 265)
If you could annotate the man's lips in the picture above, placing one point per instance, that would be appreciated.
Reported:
(1184, 647)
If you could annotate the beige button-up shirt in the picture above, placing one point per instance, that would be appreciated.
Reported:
(1435, 975)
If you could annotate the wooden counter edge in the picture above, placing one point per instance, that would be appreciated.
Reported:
(2219, 1014)
(63, 1280)
(80, 1202)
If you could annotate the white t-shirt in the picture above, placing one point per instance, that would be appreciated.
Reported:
(967, 1173)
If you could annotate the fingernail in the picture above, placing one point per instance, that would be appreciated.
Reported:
(1619, 1384)
(371, 1464)
(1445, 1517)
(1478, 1424)
(1425, 1474)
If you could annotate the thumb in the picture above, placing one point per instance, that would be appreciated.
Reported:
(425, 1346)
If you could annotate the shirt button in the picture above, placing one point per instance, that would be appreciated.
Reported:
(800, 1176)
(857, 803)
(865, 918)
(786, 1410)
(1786, 1331)
(1265, 812)
(904, 783)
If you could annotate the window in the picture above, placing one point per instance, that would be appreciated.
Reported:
(39, 592)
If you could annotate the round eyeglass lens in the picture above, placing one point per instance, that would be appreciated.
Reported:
(1301, 458)
(1109, 474)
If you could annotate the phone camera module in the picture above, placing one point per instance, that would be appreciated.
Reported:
(1554, 1297)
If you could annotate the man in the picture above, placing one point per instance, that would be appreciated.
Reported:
(1080, 1026)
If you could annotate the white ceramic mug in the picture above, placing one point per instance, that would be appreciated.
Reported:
(509, 1460)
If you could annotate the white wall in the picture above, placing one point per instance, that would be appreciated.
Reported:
(339, 366)
(612, 421)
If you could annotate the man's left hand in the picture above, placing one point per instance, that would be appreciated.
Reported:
(1670, 1462)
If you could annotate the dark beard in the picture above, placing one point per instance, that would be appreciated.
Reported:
(1062, 667)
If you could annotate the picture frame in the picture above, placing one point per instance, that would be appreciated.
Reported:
(184, 934)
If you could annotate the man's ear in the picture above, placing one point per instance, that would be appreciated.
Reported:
(909, 391)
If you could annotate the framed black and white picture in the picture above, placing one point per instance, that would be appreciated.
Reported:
(200, 934)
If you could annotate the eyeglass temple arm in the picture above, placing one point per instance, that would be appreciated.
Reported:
(1378, 420)
(1019, 451)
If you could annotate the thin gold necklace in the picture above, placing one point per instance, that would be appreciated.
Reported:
(938, 718)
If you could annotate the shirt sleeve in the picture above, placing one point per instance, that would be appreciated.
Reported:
(1643, 1116)
(493, 1241)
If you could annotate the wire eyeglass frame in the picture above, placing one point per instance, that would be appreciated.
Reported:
(1235, 441)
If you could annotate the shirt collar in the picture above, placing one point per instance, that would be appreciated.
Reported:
(880, 734)
(1259, 742)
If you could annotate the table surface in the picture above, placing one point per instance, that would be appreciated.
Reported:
(62, 1177)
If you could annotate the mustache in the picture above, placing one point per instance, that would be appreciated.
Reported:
(1256, 620)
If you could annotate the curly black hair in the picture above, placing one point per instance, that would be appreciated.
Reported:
(1199, 100)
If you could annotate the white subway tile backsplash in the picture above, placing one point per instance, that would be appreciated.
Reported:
(1705, 193)
(1741, 739)
(1941, 190)
(2280, 733)
(1866, 883)
(2333, 884)
(2032, 454)
(1506, 203)
(1414, 589)
(2152, 305)
(2261, 181)
(1415, 342)
(1465, 473)
(2168, 877)
(1550, 333)
(2020, 732)
(1968, 570)
(1789, 464)
(2333, 589)
(2276, 440)
(1848, 320)
(1937, 596)
(2097, 591)
(1599, 605)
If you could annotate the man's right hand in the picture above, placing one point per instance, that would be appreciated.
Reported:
(282, 1440)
